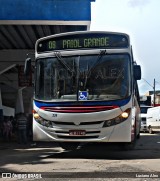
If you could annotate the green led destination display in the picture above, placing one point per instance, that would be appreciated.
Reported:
(83, 41)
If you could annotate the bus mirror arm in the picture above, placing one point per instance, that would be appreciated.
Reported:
(137, 72)
(27, 67)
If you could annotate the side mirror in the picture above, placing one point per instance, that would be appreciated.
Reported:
(137, 72)
(27, 67)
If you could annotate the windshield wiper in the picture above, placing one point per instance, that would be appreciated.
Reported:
(59, 58)
(73, 72)
(99, 58)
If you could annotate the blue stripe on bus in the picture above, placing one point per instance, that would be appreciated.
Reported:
(85, 103)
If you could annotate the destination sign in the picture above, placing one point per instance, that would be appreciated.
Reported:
(83, 41)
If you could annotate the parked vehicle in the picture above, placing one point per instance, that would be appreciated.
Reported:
(144, 109)
(153, 119)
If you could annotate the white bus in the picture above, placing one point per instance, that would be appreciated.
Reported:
(85, 89)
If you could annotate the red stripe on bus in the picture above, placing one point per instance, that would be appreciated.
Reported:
(79, 109)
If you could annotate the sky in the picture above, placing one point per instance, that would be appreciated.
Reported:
(141, 20)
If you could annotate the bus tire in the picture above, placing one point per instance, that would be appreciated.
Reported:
(69, 145)
(130, 145)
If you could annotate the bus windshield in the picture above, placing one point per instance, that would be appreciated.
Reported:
(100, 77)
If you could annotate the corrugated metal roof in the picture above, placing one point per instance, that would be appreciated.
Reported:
(22, 37)
(25, 36)
(20, 27)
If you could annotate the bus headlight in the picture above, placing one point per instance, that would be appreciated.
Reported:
(117, 120)
(42, 121)
(125, 115)
(36, 116)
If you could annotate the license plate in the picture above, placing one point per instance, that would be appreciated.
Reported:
(77, 132)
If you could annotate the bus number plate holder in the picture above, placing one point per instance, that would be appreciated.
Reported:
(77, 132)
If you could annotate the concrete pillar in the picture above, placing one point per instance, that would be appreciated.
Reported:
(1, 110)
(30, 106)
(19, 102)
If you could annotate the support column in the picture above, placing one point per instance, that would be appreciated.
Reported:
(19, 102)
(1, 109)
(30, 106)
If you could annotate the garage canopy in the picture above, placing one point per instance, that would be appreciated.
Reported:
(23, 22)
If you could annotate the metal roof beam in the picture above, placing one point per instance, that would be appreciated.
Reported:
(31, 33)
(39, 31)
(9, 36)
(46, 30)
(6, 69)
(16, 36)
(25, 36)
(4, 42)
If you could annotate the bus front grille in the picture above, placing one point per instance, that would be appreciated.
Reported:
(88, 132)
(77, 137)
(81, 123)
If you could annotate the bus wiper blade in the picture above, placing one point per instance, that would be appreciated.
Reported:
(99, 58)
(59, 57)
